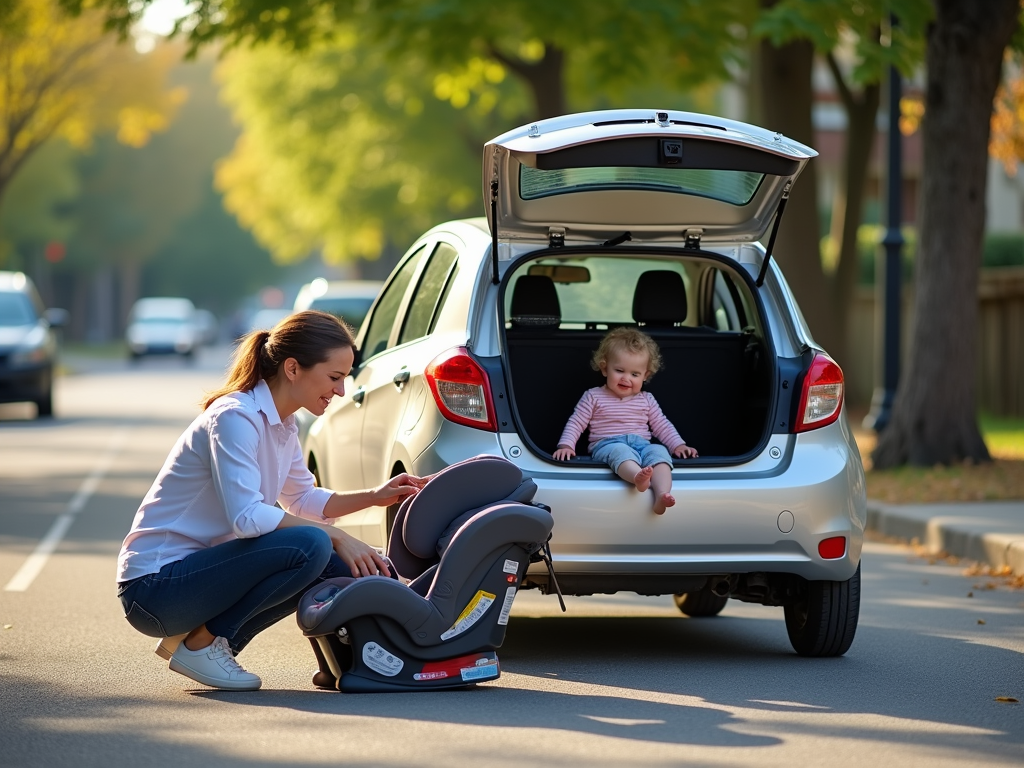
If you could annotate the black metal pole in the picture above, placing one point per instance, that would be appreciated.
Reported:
(888, 277)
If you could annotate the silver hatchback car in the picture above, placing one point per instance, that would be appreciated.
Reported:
(481, 339)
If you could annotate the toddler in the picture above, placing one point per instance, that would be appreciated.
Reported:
(622, 418)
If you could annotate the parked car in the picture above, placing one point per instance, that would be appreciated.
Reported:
(481, 339)
(28, 343)
(348, 299)
(207, 327)
(267, 318)
(162, 326)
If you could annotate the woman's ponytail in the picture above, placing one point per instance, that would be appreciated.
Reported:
(308, 336)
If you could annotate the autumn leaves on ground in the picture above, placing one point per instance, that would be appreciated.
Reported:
(1002, 479)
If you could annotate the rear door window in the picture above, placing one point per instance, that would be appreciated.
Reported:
(16, 309)
(383, 320)
(425, 302)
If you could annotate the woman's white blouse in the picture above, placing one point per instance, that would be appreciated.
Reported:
(220, 482)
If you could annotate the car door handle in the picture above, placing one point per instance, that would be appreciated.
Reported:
(400, 379)
(358, 395)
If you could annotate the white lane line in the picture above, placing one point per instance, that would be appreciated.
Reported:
(35, 563)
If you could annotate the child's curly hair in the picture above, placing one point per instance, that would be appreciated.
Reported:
(629, 340)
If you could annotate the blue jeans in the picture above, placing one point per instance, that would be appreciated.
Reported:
(615, 450)
(237, 589)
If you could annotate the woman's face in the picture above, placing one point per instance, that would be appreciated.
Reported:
(313, 388)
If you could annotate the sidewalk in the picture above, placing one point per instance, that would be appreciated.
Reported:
(991, 532)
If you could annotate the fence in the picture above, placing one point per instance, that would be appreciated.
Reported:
(1000, 360)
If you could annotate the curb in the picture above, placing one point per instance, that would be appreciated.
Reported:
(990, 533)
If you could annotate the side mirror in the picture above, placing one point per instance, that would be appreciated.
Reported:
(57, 318)
(358, 359)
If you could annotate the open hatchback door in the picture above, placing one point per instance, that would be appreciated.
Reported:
(659, 175)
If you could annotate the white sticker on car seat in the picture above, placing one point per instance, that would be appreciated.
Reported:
(506, 607)
(511, 566)
(381, 661)
(470, 615)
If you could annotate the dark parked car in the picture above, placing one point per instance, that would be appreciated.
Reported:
(28, 344)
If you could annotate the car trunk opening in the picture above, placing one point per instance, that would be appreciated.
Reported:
(715, 383)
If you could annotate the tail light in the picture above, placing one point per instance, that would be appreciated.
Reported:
(461, 389)
(821, 397)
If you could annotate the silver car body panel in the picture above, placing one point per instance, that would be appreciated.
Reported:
(649, 215)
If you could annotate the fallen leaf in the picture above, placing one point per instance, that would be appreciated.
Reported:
(8, 626)
(981, 621)
(970, 594)
(1007, 699)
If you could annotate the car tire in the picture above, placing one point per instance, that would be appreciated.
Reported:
(700, 604)
(44, 405)
(824, 621)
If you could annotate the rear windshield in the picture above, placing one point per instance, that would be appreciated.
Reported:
(16, 309)
(734, 187)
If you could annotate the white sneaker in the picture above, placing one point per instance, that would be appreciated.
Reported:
(214, 666)
(168, 645)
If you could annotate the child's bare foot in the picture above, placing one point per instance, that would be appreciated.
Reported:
(642, 481)
(663, 502)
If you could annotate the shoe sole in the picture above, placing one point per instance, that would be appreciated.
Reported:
(225, 685)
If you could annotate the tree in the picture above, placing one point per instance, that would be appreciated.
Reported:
(793, 32)
(63, 77)
(934, 418)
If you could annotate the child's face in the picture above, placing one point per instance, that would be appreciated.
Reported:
(625, 372)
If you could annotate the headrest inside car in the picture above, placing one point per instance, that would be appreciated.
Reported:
(535, 302)
(659, 298)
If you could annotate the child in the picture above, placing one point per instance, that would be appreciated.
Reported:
(622, 418)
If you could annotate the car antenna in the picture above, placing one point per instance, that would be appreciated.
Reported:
(494, 230)
(775, 231)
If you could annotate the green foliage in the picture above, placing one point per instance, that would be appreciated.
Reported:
(37, 208)
(861, 26)
(343, 150)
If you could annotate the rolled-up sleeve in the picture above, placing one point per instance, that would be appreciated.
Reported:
(300, 495)
(234, 441)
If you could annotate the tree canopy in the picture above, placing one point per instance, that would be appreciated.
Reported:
(64, 77)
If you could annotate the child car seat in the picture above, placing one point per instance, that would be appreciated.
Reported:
(465, 541)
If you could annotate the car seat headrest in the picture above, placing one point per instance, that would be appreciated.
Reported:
(464, 486)
(659, 298)
(535, 302)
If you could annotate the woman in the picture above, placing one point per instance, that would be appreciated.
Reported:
(210, 561)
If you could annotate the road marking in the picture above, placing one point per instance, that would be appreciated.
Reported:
(31, 568)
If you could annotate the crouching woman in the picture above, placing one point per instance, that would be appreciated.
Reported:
(210, 560)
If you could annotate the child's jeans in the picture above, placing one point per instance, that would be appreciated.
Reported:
(615, 450)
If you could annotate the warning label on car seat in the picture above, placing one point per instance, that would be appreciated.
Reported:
(381, 661)
(470, 615)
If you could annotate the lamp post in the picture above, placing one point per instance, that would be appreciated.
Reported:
(888, 277)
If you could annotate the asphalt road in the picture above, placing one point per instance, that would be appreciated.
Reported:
(619, 680)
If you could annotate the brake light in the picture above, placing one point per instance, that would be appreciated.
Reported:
(821, 397)
(833, 548)
(461, 389)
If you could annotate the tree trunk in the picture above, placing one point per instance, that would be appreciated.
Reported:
(861, 112)
(545, 79)
(934, 419)
(786, 100)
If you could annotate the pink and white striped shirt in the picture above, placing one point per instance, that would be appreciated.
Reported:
(608, 415)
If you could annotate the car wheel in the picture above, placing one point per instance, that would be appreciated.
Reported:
(701, 603)
(44, 405)
(824, 621)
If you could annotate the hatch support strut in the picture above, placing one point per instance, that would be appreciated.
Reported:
(494, 231)
(775, 231)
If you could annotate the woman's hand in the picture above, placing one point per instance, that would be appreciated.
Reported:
(396, 489)
(361, 559)
(563, 453)
(684, 451)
